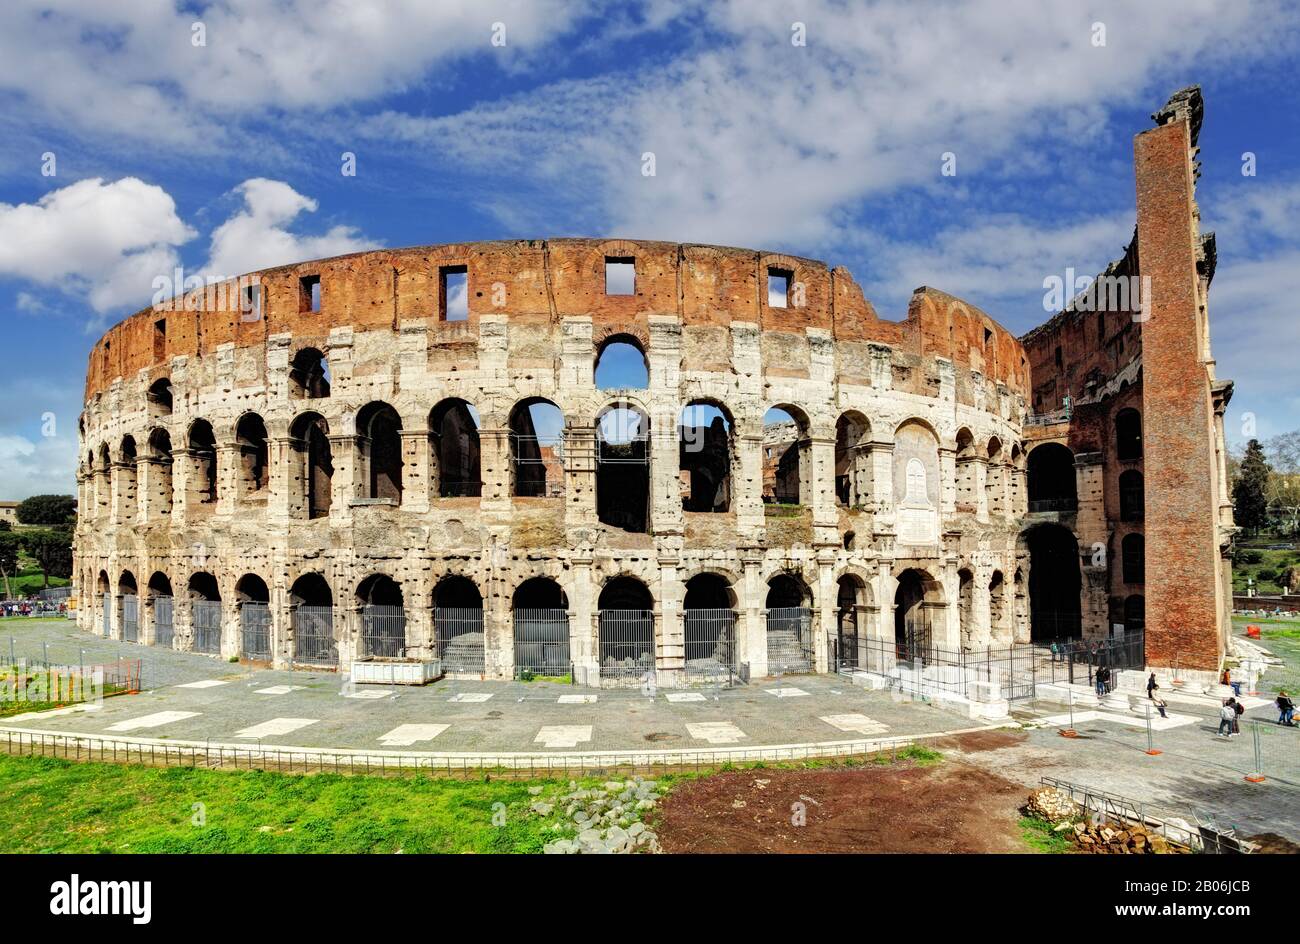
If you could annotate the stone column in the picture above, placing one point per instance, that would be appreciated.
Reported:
(583, 649)
(229, 478)
(670, 648)
(416, 479)
(494, 456)
(947, 482)
(827, 610)
(579, 477)
(344, 483)
(881, 630)
(751, 626)
(286, 479)
(980, 469)
(882, 475)
(747, 488)
(825, 515)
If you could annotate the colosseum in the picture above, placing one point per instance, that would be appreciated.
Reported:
(614, 459)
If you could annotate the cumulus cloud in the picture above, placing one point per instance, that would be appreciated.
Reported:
(133, 67)
(42, 466)
(103, 240)
(257, 236)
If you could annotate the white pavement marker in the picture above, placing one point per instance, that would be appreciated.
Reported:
(52, 712)
(1134, 720)
(563, 735)
(405, 735)
(278, 690)
(576, 700)
(716, 732)
(368, 695)
(786, 692)
(470, 697)
(678, 697)
(859, 724)
(205, 683)
(155, 720)
(275, 726)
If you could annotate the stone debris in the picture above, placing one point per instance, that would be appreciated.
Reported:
(607, 818)
(1052, 806)
(1127, 839)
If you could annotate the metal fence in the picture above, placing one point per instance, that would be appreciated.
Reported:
(313, 636)
(789, 639)
(542, 642)
(383, 631)
(130, 617)
(206, 625)
(458, 635)
(627, 643)
(921, 669)
(255, 630)
(710, 644)
(1075, 660)
(164, 629)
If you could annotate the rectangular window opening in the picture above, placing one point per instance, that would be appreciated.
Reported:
(1059, 362)
(620, 275)
(778, 288)
(309, 293)
(159, 338)
(251, 303)
(453, 293)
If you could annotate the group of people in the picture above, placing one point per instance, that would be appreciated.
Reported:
(31, 608)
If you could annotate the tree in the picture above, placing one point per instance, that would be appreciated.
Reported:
(52, 549)
(50, 510)
(10, 543)
(1250, 490)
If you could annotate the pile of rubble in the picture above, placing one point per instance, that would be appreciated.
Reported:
(1058, 808)
(1052, 806)
(607, 817)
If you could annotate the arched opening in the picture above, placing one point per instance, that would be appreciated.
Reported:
(205, 613)
(312, 470)
(454, 450)
(311, 604)
(787, 456)
(1052, 484)
(128, 607)
(536, 449)
(160, 472)
(458, 625)
(160, 598)
(1128, 435)
(105, 604)
(1133, 554)
(1054, 583)
(379, 446)
(541, 618)
(127, 478)
(254, 456)
(621, 364)
(997, 608)
(709, 620)
(853, 472)
(1135, 615)
(623, 468)
(966, 607)
(202, 479)
(309, 375)
(1131, 496)
(626, 629)
(789, 625)
(850, 621)
(915, 601)
(159, 397)
(254, 602)
(383, 618)
(705, 457)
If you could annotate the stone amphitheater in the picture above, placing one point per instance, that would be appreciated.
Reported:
(548, 458)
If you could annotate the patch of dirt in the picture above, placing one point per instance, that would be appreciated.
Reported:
(1272, 843)
(977, 741)
(903, 807)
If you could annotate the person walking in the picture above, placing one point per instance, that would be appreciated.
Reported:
(1238, 709)
(1101, 681)
(1286, 709)
(1152, 687)
(1227, 715)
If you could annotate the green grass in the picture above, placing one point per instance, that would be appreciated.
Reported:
(1276, 562)
(1282, 638)
(62, 806)
(1039, 836)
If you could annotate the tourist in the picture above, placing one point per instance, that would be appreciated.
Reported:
(1054, 652)
(1226, 679)
(1161, 705)
(1152, 687)
(1100, 676)
(1238, 709)
(1227, 717)
(1286, 709)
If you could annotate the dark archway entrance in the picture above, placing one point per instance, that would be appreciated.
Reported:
(1052, 485)
(1054, 584)
(913, 631)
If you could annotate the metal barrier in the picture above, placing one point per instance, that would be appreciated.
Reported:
(710, 644)
(1075, 660)
(206, 625)
(255, 630)
(542, 642)
(313, 636)
(923, 668)
(627, 643)
(383, 631)
(458, 635)
(164, 629)
(130, 617)
(789, 639)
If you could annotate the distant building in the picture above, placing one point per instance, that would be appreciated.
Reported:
(9, 511)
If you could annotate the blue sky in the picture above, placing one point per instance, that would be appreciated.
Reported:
(225, 156)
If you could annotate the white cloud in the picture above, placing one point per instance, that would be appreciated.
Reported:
(102, 240)
(131, 67)
(257, 237)
(39, 467)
